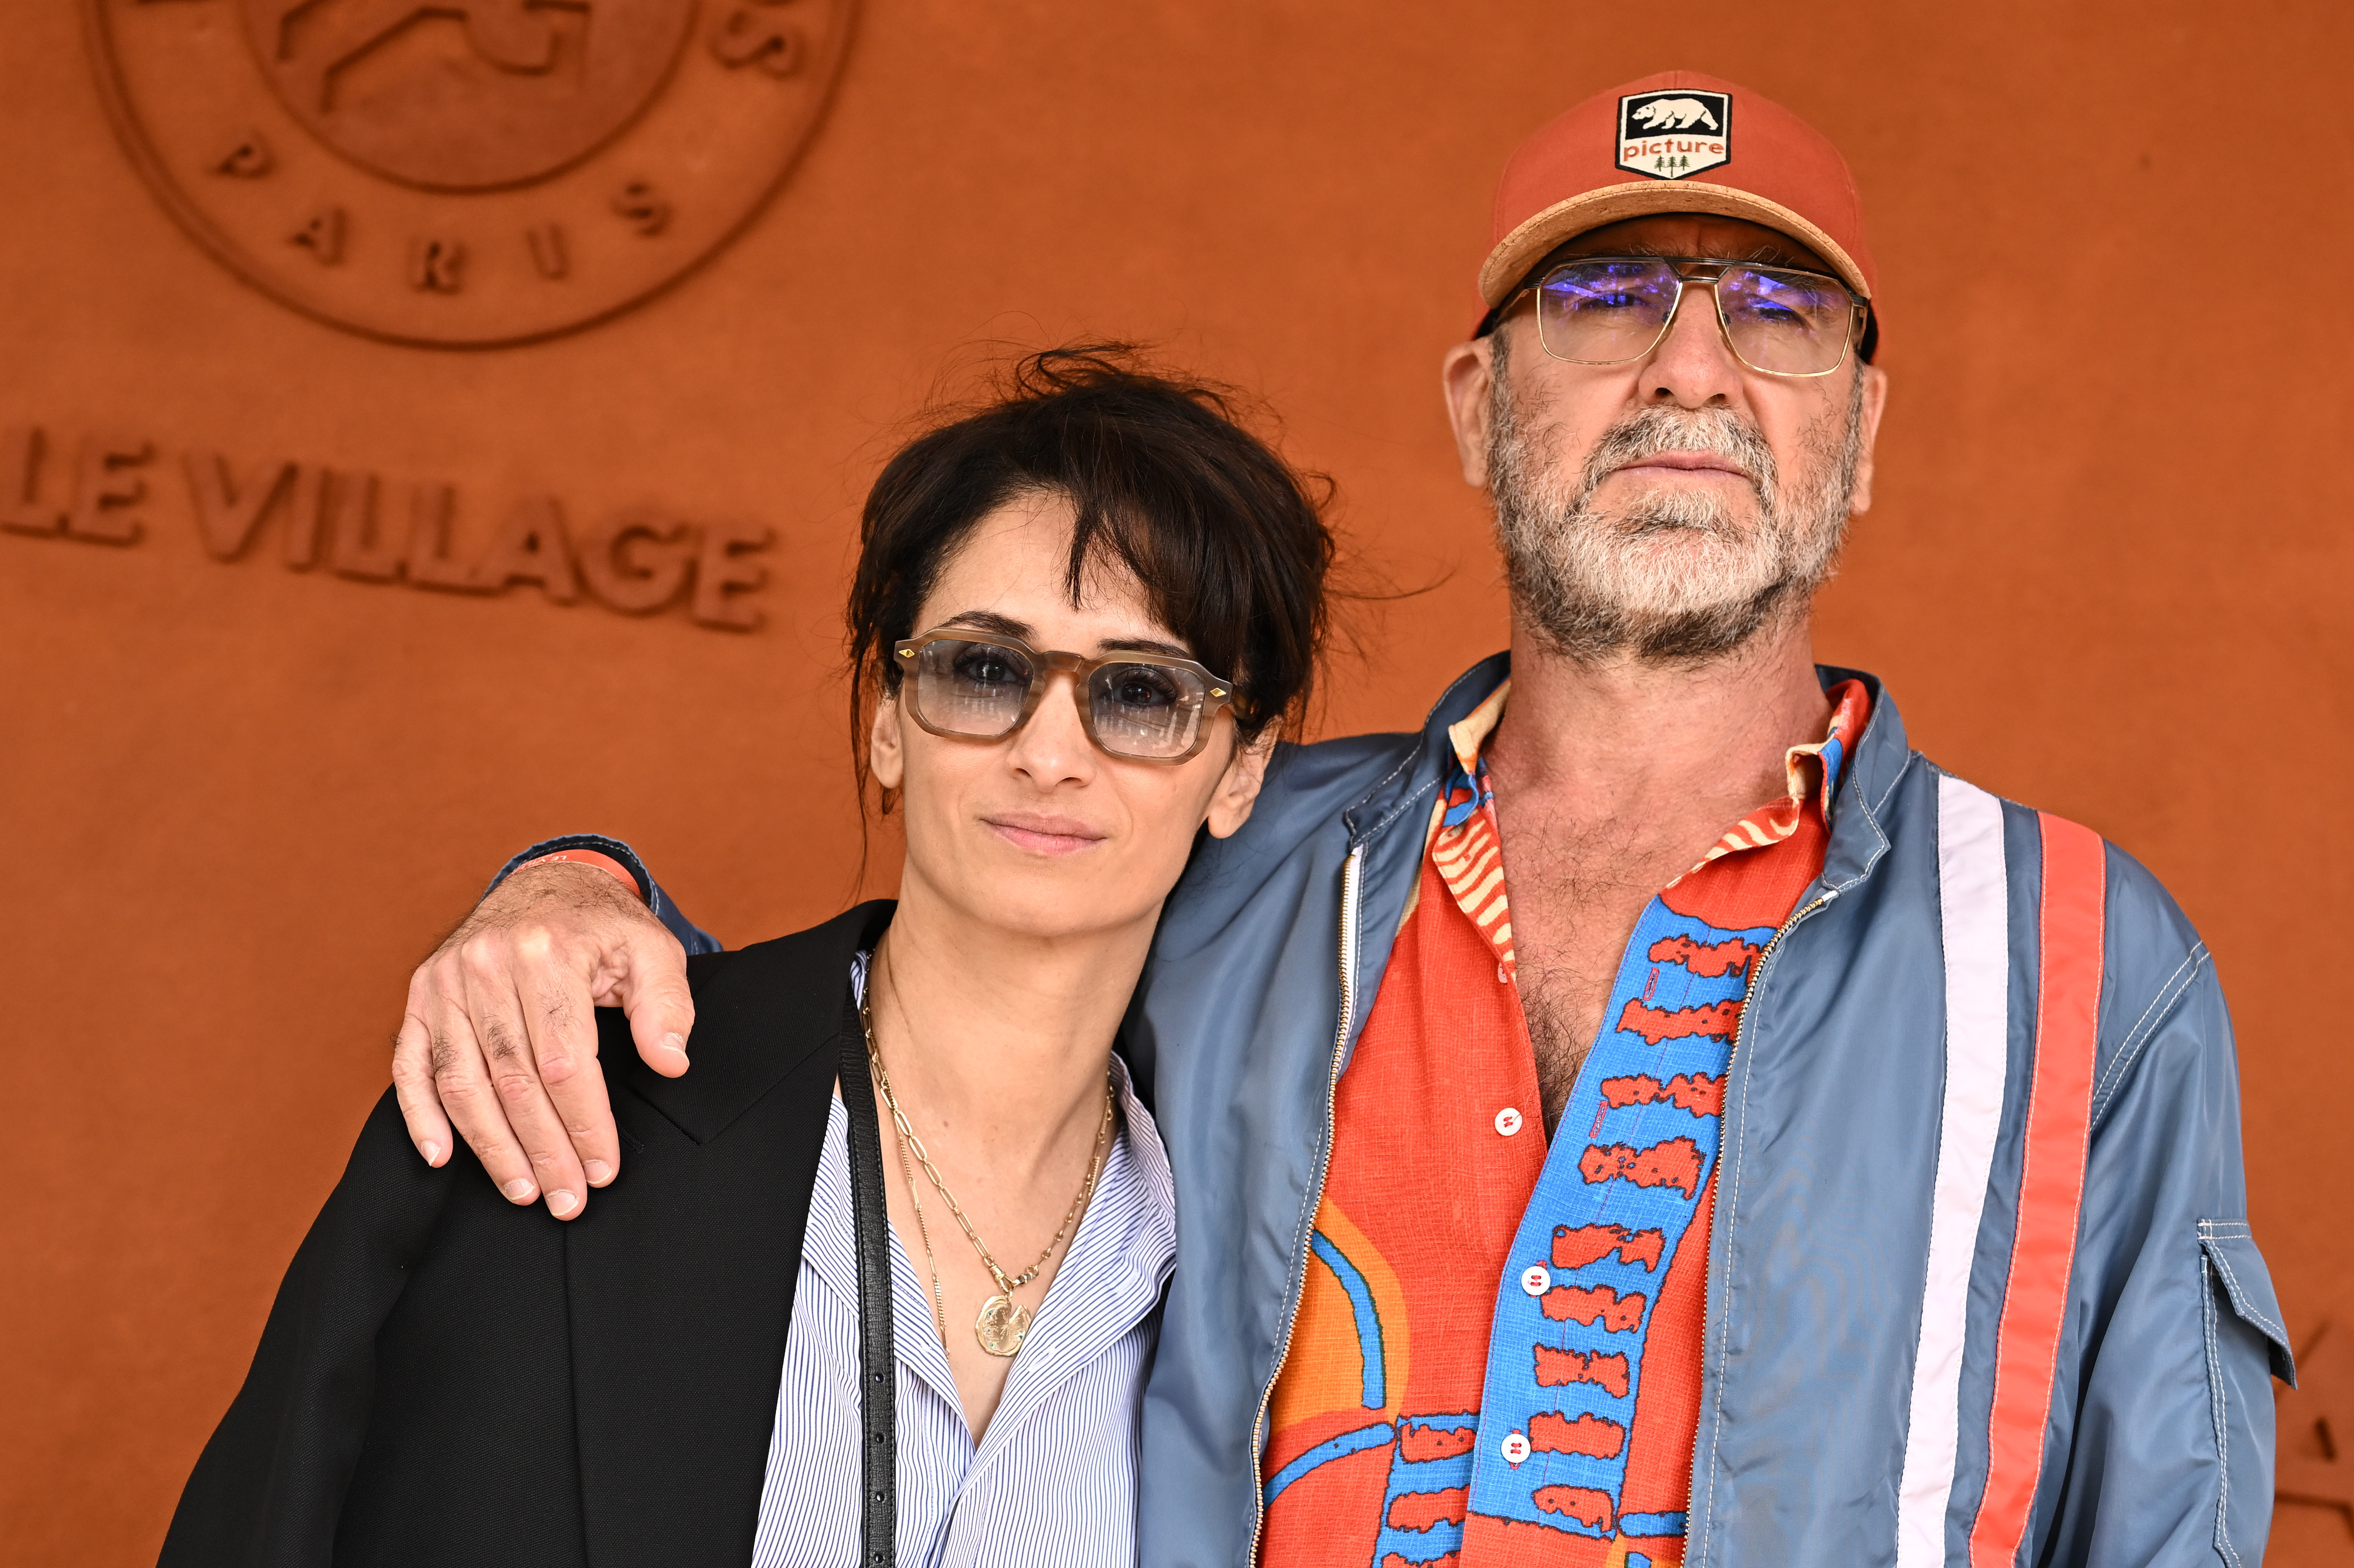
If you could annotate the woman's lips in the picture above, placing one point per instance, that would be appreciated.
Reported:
(1043, 835)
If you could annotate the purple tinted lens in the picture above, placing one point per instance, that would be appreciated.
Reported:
(1601, 313)
(1787, 323)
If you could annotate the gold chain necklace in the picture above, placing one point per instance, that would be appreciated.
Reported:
(1003, 1324)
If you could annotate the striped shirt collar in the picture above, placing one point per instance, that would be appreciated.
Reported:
(1466, 844)
(1812, 769)
(1109, 1281)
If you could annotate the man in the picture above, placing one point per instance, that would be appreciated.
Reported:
(1806, 1157)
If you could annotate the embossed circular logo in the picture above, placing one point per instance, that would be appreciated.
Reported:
(465, 172)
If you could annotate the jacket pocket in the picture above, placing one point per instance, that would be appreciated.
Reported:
(2239, 1314)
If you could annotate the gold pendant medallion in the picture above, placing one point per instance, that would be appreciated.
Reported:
(1002, 1325)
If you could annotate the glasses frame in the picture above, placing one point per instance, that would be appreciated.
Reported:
(1046, 662)
(1859, 307)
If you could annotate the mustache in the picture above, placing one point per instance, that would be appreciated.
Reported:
(1653, 432)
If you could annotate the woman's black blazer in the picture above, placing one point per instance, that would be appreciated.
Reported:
(447, 1379)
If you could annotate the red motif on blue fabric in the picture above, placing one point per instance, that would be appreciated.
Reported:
(1620, 1186)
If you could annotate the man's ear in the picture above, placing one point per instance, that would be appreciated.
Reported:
(1875, 399)
(1463, 374)
(1238, 787)
(886, 756)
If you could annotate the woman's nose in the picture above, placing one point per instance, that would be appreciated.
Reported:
(1053, 747)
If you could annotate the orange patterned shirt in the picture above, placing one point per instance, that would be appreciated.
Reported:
(1497, 1358)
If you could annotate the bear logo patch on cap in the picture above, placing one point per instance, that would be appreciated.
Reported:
(1675, 132)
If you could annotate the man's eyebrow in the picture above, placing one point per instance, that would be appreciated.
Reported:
(1764, 253)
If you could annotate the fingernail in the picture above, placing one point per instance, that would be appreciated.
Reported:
(517, 1190)
(598, 1172)
(432, 1153)
(674, 1040)
(561, 1203)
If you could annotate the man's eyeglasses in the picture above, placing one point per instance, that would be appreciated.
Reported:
(1145, 707)
(1778, 320)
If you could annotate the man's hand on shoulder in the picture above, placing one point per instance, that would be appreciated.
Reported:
(501, 1032)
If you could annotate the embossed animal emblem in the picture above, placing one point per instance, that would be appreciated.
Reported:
(1675, 114)
(324, 35)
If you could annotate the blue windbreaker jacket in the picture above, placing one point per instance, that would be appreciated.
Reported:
(2157, 1440)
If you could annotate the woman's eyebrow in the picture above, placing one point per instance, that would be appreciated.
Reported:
(998, 625)
(989, 620)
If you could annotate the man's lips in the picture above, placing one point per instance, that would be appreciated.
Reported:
(1685, 462)
(1043, 835)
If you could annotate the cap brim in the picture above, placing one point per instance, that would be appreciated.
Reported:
(1527, 245)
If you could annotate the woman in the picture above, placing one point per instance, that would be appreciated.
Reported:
(1078, 619)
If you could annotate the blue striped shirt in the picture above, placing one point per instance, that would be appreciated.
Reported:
(1053, 1477)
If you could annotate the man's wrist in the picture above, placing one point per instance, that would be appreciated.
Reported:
(610, 852)
(603, 863)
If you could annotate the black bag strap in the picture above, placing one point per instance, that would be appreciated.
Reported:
(878, 1378)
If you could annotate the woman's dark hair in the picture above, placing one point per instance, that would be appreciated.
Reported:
(1228, 542)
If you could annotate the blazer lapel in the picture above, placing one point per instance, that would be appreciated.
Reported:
(679, 1276)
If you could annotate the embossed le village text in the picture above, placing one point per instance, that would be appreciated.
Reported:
(111, 488)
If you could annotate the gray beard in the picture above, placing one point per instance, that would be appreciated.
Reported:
(1670, 577)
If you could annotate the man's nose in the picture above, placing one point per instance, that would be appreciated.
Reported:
(1693, 366)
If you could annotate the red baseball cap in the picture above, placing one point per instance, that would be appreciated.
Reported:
(1677, 142)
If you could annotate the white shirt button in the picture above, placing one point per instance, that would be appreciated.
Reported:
(1515, 1448)
(1508, 1120)
(1536, 1280)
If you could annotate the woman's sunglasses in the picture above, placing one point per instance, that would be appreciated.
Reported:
(1608, 310)
(1144, 707)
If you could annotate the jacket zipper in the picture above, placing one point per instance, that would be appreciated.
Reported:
(1740, 1033)
(1349, 871)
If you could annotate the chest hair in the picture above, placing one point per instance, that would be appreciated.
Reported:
(1577, 890)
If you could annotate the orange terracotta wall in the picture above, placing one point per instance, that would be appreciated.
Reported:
(2108, 574)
